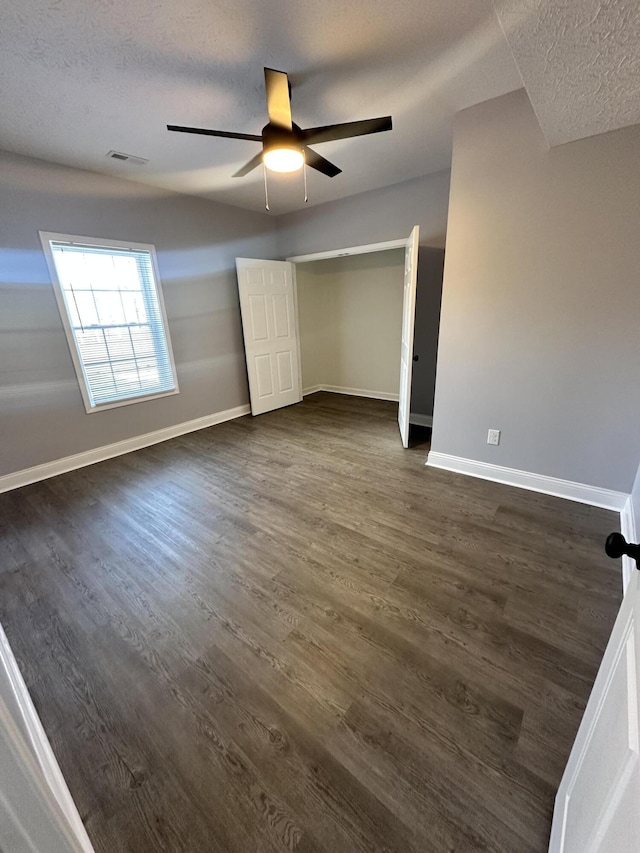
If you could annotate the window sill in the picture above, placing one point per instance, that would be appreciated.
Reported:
(143, 398)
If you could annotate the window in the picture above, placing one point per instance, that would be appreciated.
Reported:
(111, 306)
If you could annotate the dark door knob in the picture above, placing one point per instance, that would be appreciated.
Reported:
(616, 545)
(416, 358)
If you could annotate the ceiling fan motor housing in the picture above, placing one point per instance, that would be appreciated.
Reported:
(274, 136)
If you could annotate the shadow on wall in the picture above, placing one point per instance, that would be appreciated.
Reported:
(425, 346)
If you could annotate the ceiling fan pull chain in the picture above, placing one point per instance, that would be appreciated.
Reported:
(266, 189)
(304, 172)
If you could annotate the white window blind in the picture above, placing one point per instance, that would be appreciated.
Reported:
(114, 318)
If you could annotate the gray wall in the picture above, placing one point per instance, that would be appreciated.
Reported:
(541, 299)
(425, 342)
(41, 413)
(384, 214)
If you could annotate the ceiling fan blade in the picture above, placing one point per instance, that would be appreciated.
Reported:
(315, 161)
(225, 134)
(248, 167)
(278, 101)
(329, 132)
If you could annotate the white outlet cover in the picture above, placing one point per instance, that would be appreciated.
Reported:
(493, 436)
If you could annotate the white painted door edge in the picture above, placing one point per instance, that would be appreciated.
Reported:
(628, 530)
(297, 318)
(408, 328)
(596, 806)
(580, 492)
(118, 448)
(40, 749)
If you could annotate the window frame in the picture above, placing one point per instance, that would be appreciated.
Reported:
(46, 238)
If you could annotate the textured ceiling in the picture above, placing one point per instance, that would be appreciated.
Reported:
(579, 60)
(79, 78)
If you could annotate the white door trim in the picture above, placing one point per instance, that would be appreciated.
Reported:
(352, 250)
(294, 281)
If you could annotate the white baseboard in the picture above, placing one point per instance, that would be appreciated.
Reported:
(360, 392)
(628, 530)
(353, 392)
(421, 420)
(580, 492)
(107, 451)
(28, 730)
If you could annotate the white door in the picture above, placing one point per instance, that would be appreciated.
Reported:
(37, 814)
(598, 803)
(408, 323)
(270, 328)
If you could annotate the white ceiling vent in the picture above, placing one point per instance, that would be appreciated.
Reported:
(126, 158)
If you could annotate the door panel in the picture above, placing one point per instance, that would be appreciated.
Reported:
(258, 310)
(281, 321)
(285, 372)
(598, 802)
(269, 324)
(263, 375)
(408, 323)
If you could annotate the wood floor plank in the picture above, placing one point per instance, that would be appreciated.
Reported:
(285, 633)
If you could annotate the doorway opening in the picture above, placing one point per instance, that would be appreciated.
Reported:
(350, 322)
(410, 279)
(335, 321)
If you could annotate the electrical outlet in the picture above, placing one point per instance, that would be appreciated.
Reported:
(493, 436)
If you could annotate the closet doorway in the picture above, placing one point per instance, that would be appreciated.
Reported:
(272, 330)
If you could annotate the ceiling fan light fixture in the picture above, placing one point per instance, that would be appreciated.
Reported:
(283, 159)
(285, 145)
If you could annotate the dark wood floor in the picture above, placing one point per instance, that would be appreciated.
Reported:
(286, 633)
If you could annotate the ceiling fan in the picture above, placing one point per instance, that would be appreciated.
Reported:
(285, 145)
